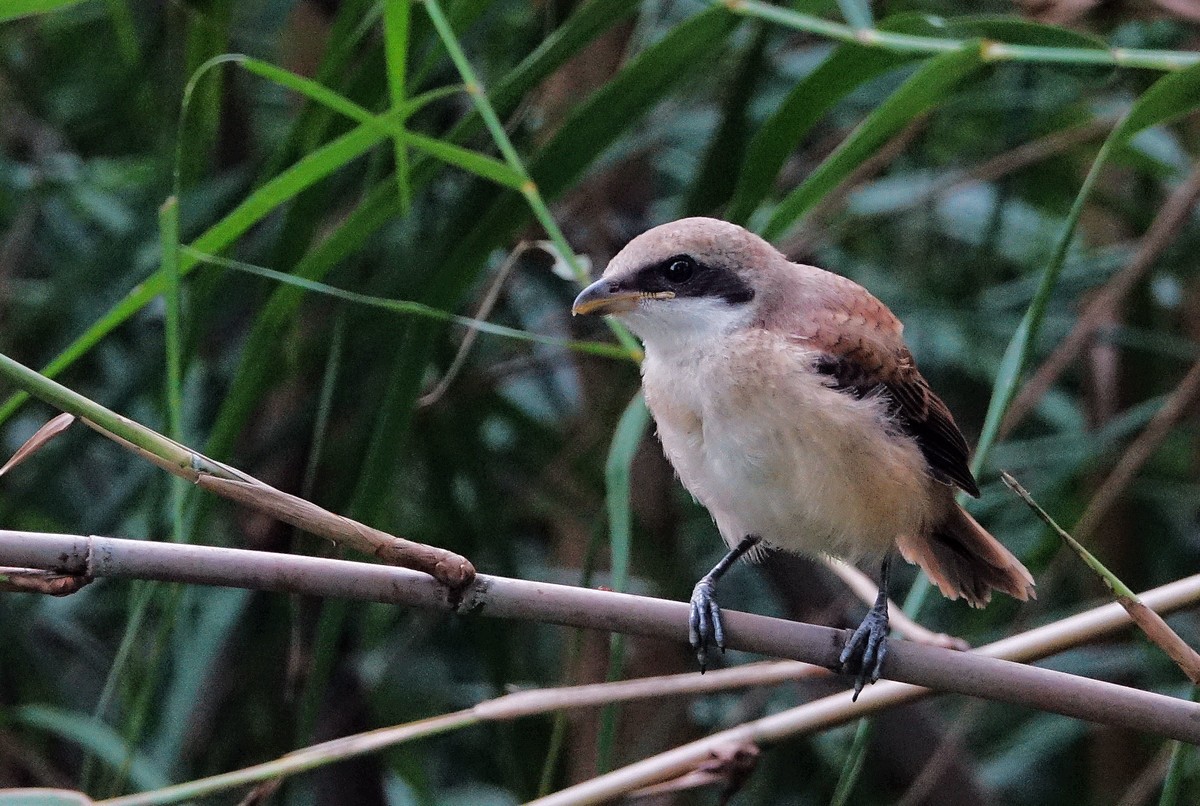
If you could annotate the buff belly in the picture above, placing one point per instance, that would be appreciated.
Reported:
(807, 468)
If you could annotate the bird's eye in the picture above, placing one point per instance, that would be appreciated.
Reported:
(678, 270)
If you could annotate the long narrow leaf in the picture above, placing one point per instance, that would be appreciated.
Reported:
(415, 309)
(97, 737)
(395, 35)
(923, 91)
(14, 9)
(618, 499)
(846, 69)
(1170, 97)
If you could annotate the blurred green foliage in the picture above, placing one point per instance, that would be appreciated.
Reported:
(941, 182)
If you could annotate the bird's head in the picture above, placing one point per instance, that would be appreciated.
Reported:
(687, 280)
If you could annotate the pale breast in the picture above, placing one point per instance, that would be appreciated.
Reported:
(759, 439)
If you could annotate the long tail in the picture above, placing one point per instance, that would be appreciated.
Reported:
(963, 559)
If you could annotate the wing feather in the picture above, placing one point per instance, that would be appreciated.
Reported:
(863, 367)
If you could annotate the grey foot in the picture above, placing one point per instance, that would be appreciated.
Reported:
(866, 649)
(704, 626)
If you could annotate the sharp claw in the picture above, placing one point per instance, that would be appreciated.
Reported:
(705, 623)
(864, 652)
(880, 654)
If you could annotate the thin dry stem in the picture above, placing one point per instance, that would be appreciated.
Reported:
(1023, 156)
(838, 709)
(1162, 232)
(865, 589)
(488, 302)
(1139, 452)
(229, 482)
(803, 240)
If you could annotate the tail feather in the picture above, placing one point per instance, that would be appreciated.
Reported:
(963, 559)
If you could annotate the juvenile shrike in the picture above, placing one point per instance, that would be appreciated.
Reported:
(790, 407)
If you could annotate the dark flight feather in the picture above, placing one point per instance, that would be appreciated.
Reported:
(918, 411)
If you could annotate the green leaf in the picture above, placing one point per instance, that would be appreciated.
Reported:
(1016, 31)
(618, 499)
(389, 124)
(306, 172)
(928, 87)
(715, 181)
(617, 470)
(846, 69)
(485, 222)
(395, 37)
(583, 26)
(1171, 97)
(409, 308)
(14, 9)
(93, 735)
(256, 369)
(620, 103)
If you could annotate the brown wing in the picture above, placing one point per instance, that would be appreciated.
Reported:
(863, 367)
(860, 347)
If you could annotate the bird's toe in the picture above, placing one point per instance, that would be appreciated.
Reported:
(865, 650)
(705, 628)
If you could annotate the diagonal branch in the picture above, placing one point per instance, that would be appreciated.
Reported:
(228, 481)
(839, 709)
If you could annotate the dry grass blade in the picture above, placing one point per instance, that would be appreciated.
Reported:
(43, 435)
(1152, 624)
(1161, 233)
(1140, 450)
(864, 588)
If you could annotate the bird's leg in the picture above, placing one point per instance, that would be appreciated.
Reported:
(705, 624)
(865, 650)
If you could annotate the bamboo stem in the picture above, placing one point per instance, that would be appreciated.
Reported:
(839, 709)
(500, 597)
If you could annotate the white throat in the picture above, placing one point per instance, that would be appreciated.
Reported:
(677, 328)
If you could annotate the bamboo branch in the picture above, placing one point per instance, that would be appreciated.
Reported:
(839, 709)
(934, 667)
(507, 707)
(196, 468)
(865, 589)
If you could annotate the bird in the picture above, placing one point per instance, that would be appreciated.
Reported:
(790, 407)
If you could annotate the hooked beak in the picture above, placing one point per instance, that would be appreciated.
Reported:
(606, 296)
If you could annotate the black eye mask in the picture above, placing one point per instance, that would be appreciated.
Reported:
(684, 276)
